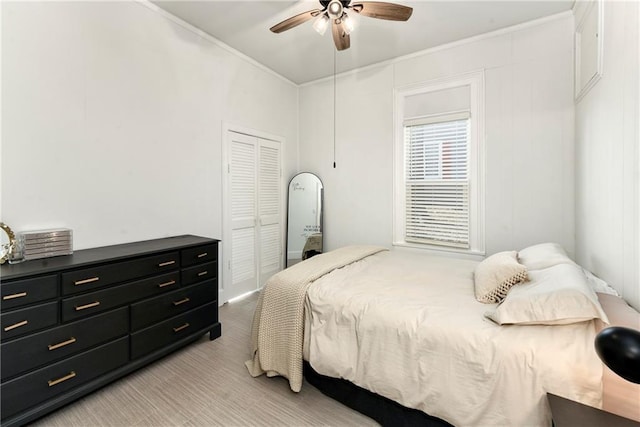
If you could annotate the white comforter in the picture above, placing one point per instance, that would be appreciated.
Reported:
(408, 327)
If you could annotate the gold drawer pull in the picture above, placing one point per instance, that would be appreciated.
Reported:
(182, 301)
(62, 379)
(202, 273)
(164, 264)
(62, 344)
(162, 285)
(85, 281)
(203, 255)
(179, 328)
(15, 325)
(12, 296)
(91, 304)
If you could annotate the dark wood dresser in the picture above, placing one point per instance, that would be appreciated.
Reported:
(74, 323)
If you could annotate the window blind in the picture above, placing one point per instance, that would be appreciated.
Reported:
(437, 180)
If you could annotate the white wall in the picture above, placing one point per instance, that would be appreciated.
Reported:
(608, 158)
(529, 136)
(112, 120)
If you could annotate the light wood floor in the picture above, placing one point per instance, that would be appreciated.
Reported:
(206, 384)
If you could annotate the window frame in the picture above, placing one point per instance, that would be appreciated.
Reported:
(475, 82)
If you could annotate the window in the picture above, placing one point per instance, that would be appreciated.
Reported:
(438, 179)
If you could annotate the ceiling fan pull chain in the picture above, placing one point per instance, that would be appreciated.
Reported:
(334, 108)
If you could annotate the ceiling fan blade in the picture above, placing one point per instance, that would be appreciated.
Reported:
(383, 10)
(294, 21)
(340, 37)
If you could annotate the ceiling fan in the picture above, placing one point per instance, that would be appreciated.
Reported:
(334, 13)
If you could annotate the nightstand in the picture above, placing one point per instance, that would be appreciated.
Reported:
(567, 413)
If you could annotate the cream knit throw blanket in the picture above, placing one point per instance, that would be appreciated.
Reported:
(277, 332)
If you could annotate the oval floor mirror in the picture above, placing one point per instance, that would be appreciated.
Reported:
(304, 218)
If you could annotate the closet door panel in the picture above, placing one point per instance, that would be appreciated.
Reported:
(269, 209)
(243, 183)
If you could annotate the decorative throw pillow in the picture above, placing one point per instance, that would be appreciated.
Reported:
(543, 255)
(557, 295)
(495, 275)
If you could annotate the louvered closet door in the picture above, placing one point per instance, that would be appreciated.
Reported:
(243, 192)
(254, 203)
(269, 203)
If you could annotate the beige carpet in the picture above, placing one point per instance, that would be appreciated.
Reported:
(206, 384)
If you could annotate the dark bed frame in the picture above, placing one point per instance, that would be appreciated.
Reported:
(383, 410)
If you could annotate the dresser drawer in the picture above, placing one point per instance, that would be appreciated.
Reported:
(46, 383)
(199, 255)
(23, 354)
(100, 276)
(22, 292)
(162, 334)
(115, 296)
(155, 309)
(21, 321)
(199, 273)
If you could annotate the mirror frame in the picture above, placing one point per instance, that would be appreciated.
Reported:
(286, 243)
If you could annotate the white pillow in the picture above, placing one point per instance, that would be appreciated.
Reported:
(543, 255)
(495, 275)
(557, 295)
(599, 285)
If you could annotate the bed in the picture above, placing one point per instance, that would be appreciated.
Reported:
(408, 328)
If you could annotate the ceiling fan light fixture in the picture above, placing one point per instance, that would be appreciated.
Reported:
(335, 8)
(321, 24)
(334, 14)
(348, 23)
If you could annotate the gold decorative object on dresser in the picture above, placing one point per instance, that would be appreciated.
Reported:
(72, 324)
(7, 242)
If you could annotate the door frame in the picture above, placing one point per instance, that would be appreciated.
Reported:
(225, 251)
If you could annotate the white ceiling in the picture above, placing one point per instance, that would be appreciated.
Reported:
(302, 55)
